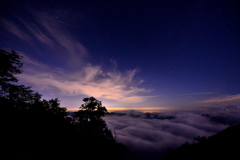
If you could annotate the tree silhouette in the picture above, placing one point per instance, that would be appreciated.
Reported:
(10, 66)
(12, 95)
(88, 119)
(94, 132)
(35, 128)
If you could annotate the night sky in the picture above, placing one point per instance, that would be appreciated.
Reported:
(142, 55)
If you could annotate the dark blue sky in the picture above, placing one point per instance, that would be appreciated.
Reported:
(155, 55)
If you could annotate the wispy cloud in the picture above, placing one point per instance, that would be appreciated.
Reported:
(230, 98)
(15, 30)
(199, 93)
(45, 29)
(90, 81)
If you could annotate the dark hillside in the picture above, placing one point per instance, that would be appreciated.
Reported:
(223, 145)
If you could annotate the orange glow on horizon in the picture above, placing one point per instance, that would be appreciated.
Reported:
(144, 110)
(72, 109)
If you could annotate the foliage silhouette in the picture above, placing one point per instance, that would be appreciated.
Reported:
(88, 119)
(35, 128)
(94, 132)
(10, 65)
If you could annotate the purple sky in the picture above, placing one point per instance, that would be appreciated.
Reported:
(147, 56)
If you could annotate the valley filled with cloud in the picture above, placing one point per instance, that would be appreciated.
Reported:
(152, 135)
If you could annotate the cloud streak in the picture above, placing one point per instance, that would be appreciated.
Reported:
(200, 93)
(223, 99)
(14, 29)
(50, 32)
(90, 81)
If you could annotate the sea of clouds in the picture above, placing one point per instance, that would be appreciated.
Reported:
(152, 135)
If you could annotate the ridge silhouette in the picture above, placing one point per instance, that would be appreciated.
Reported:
(223, 145)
